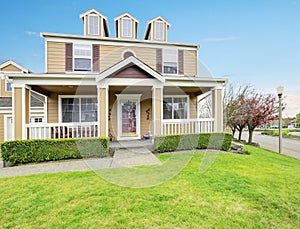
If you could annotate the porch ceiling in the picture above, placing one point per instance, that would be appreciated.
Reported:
(186, 90)
(70, 89)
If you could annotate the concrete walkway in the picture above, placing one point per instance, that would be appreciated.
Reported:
(123, 157)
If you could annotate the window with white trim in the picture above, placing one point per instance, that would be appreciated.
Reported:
(82, 57)
(170, 61)
(93, 25)
(37, 119)
(159, 30)
(79, 109)
(8, 86)
(175, 107)
(127, 27)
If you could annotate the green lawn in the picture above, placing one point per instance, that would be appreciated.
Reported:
(260, 190)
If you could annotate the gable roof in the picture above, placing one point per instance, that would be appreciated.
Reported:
(126, 15)
(11, 62)
(92, 11)
(128, 62)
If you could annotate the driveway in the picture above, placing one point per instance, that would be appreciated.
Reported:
(290, 147)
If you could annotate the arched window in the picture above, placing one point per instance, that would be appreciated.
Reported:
(127, 53)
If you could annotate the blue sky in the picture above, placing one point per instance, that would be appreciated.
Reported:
(250, 42)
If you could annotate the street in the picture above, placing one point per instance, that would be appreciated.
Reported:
(290, 147)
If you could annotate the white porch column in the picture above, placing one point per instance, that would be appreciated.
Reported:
(217, 108)
(157, 109)
(21, 106)
(102, 111)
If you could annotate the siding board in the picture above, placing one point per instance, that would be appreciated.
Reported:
(55, 57)
(190, 63)
(159, 60)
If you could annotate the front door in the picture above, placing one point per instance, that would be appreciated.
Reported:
(129, 117)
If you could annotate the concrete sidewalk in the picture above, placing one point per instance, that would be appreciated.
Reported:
(122, 158)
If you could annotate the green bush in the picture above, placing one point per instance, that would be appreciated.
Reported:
(25, 151)
(169, 143)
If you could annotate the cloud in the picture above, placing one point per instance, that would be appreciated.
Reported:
(219, 39)
(30, 33)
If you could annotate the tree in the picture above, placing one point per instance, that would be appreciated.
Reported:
(260, 110)
(298, 119)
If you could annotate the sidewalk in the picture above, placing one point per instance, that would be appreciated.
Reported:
(122, 158)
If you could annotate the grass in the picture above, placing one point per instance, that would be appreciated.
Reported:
(260, 190)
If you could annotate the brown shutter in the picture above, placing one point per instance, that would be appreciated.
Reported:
(159, 60)
(180, 62)
(96, 58)
(69, 57)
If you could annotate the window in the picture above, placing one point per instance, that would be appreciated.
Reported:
(127, 27)
(79, 109)
(127, 53)
(175, 107)
(159, 30)
(93, 25)
(170, 61)
(37, 120)
(8, 87)
(82, 58)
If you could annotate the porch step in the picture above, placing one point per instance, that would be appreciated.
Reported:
(131, 144)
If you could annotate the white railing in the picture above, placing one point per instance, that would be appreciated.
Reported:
(61, 130)
(187, 126)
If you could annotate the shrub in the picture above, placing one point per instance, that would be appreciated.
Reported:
(25, 151)
(169, 143)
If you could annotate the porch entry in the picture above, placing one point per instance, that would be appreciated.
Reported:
(128, 116)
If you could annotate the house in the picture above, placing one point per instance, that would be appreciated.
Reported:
(98, 85)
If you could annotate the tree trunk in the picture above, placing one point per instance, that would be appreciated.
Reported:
(250, 135)
(233, 131)
(240, 134)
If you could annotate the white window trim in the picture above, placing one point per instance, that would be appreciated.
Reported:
(128, 19)
(91, 57)
(89, 32)
(6, 82)
(188, 107)
(155, 31)
(60, 97)
(127, 50)
(163, 61)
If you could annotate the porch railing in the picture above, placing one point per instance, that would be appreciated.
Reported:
(61, 130)
(188, 126)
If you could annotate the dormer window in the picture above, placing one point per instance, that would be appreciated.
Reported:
(93, 24)
(127, 27)
(159, 30)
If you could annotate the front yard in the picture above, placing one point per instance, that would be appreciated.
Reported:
(260, 190)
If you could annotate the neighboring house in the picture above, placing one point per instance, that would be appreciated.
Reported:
(126, 87)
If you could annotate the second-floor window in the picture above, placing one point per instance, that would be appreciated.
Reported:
(93, 25)
(170, 61)
(127, 27)
(82, 58)
(159, 30)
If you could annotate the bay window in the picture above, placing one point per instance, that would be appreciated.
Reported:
(175, 107)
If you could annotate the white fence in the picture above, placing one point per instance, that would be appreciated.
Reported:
(61, 130)
(188, 126)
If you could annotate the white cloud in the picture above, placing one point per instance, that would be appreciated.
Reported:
(30, 33)
(218, 39)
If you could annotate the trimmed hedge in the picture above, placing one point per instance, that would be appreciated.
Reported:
(169, 143)
(26, 151)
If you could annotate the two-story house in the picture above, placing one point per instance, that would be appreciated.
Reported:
(123, 86)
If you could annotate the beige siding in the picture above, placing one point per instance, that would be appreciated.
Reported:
(53, 108)
(158, 111)
(103, 111)
(4, 93)
(10, 68)
(145, 122)
(110, 55)
(56, 57)
(190, 63)
(112, 114)
(193, 106)
(18, 113)
(2, 127)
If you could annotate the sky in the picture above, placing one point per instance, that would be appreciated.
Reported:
(249, 42)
